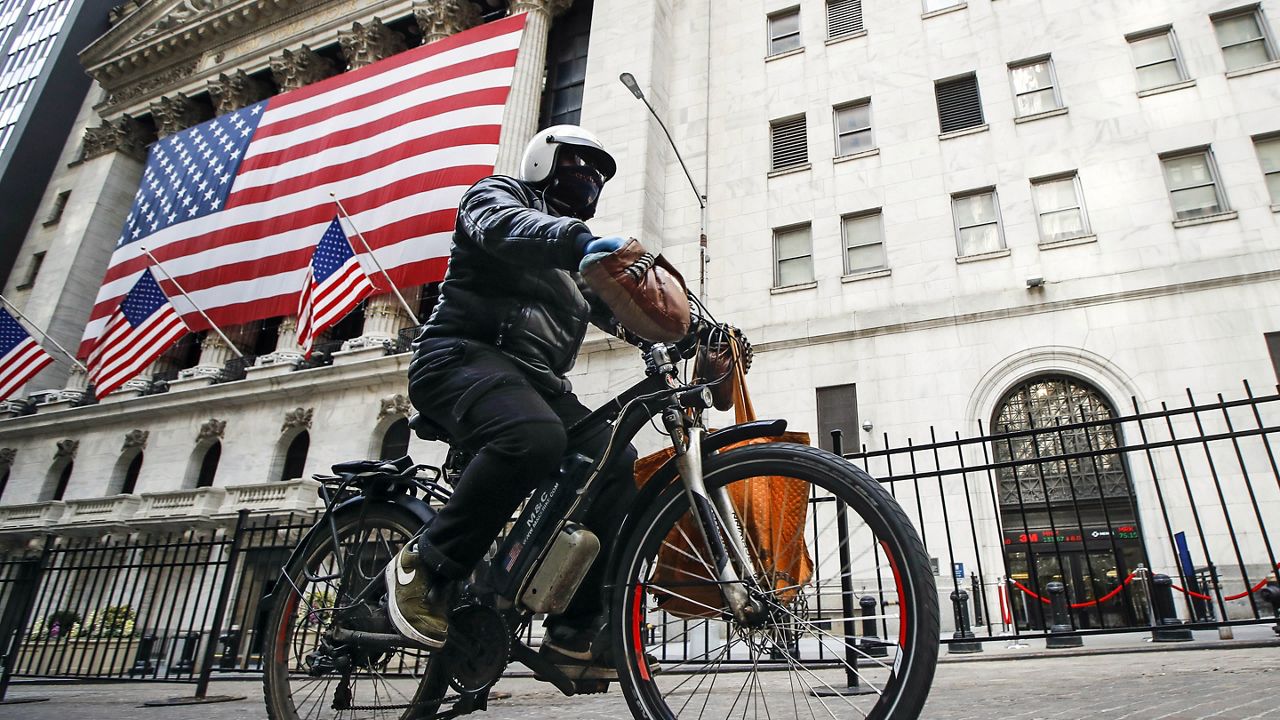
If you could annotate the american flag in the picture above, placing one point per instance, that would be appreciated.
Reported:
(21, 357)
(233, 207)
(335, 285)
(143, 326)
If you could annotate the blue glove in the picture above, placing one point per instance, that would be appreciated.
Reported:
(604, 245)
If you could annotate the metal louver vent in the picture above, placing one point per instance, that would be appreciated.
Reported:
(959, 105)
(844, 18)
(789, 143)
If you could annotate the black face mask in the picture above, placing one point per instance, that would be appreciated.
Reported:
(574, 191)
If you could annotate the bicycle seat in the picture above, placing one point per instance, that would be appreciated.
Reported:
(426, 429)
(360, 467)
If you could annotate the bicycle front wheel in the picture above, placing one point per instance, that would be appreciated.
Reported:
(815, 651)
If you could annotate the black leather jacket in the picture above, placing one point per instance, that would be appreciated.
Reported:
(513, 282)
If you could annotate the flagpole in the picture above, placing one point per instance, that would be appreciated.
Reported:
(173, 280)
(45, 334)
(369, 250)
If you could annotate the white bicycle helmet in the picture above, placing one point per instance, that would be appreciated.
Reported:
(543, 151)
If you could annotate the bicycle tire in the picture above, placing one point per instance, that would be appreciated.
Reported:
(291, 695)
(897, 561)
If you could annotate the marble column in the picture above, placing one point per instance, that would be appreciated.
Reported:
(441, 18)
(173, 114)
(295, 69)
(237, 90)
(214, 356)
(520, 119)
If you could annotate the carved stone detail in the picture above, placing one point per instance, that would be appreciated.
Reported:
(7, 455)
(298, 418)
(136, 439)
(551, 7)
(366, 44)
(395, 405)
(67, 448)
(212, 429)
(234, 91)
(295, 69)
(183, 13)
(123, 134)
(441, 18)
(169, 76)
(173, 114)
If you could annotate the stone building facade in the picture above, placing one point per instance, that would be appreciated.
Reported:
(912, 210)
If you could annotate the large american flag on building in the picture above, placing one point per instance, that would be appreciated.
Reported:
(233, 207)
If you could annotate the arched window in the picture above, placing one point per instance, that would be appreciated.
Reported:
(209, 465)
(395, 443)
(295, 459)
(1066, 508)
(131, 475)
(4, 481)
(60, 484)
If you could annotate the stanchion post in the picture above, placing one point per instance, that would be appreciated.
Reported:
(1168, 628)
(963, 634)
(870, 643)
(142, 660)
(1061, 633)
(846, 598)
(1270, 594)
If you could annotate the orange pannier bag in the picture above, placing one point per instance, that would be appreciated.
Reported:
(771, 509)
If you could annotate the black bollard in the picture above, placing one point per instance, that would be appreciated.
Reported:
(187, 660)
(142, 661)
(230, 649)
(870, 644)
(1060, 633)
(963, 633)
(1167, 626)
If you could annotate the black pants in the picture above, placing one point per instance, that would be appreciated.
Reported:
(517, 433)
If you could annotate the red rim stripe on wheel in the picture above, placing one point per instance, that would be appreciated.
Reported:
(636, 612)
(902, 606)
(291, 611)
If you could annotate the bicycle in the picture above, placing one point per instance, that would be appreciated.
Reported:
(331, 652)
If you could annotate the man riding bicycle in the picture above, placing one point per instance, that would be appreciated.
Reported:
(489, 368)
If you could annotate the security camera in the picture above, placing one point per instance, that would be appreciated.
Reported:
(1035, 282)
(866, 426)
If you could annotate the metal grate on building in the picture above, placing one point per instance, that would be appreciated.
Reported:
(959, 105)
(790, 147)
(844, 18)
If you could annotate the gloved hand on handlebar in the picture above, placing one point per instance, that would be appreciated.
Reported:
(589, 244)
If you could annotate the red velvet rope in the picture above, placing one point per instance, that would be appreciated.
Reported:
(1201, 596)
(1080, 605)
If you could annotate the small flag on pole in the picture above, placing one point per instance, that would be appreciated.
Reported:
(21, 357)
(335, 284)
(143, 327)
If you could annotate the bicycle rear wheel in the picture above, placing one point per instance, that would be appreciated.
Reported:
(801, 657)
(309, 676)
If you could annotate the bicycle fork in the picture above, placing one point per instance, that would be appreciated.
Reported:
(716, 517)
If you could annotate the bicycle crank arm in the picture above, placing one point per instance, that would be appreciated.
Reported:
(541, 667)
(383, 641)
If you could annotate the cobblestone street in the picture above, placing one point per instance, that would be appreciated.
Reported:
(1225, 684)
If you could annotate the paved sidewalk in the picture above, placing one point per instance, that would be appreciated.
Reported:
(1235, 681)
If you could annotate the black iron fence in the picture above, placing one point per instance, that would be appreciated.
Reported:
(1162, 519)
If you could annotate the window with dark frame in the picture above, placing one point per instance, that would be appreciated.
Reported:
(1268, 149)
(959, 103)
(784, 31)
(977, 218)
(130, 482)
(853, 128)
(790, 147)
(1242, 35)
(863, 242)
(209, 465)
(1273, 349)
(1192, 179)
(1155, 57)
(295, 459)
(395, 441)
(1059, 207)
(793, 256)
(1035, 89)
(59, 205)
(33, 270)
(844, 18)
(838, 410)
(567, 47)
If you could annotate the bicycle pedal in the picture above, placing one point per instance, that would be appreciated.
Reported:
(590, 687)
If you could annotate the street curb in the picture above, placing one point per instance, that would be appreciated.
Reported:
(1086, 652)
